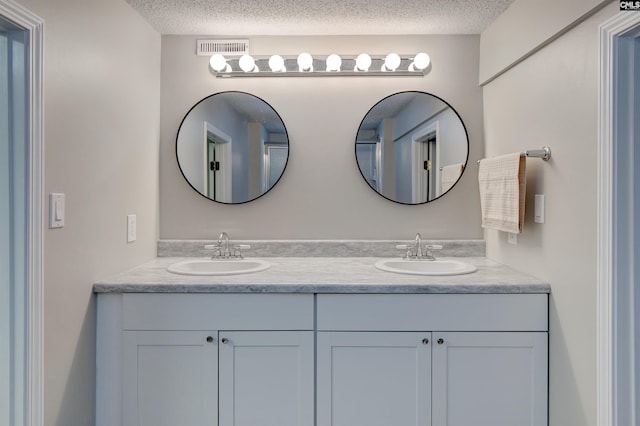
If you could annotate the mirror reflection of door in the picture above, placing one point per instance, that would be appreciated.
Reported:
(421, 147)
(217, 164)
(369, 157)
(275, 160)
(223, 147)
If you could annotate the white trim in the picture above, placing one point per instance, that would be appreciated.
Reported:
(607, 312)
(223, 151)
(417, 165)
(35, 307)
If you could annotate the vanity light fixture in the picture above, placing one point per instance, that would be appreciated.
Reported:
(363, 62)
(306, 65)
(334, 62)
(248, 64)
(276, 63)
(305, 62)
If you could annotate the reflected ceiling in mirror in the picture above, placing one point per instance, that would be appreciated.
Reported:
(232, 147)
(412, 147)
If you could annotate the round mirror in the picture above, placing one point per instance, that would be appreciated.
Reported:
(412, 147)
(232, 147)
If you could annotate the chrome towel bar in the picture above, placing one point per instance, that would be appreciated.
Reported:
(544, 153)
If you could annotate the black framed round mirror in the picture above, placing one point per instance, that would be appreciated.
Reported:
(412, 147)
(232, 147)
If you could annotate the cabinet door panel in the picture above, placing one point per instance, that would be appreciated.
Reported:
(170, 378)
(490, 379)
(374, 379)
(266, 378)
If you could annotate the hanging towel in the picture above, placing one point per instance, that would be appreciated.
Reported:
(502, 192)
(450, 175)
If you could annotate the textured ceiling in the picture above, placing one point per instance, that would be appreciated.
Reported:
(319, 17)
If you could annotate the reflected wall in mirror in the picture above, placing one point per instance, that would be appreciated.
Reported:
(412, 147)
(232, 147)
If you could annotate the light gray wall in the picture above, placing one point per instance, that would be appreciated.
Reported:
(524, 27)
(102, 86)
(551, 99)
(321, 194)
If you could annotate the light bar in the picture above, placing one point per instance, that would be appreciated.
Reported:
(307, 65)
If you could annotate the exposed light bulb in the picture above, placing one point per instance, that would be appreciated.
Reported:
(305, 62)
(334, 62)
(276, 63)
(218, 62)
(391, 62)
(363, 62)
(420, 62)
(247, 63)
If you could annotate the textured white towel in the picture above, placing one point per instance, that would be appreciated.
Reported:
(502, 192)
(450, 175)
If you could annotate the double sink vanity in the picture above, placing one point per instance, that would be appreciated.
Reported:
(322, 333)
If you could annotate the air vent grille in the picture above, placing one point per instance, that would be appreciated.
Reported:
(227, 47)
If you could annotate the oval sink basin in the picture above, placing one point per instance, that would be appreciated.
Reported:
(218, 267)
(425, 267)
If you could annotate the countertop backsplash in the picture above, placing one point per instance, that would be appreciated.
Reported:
(322, 248)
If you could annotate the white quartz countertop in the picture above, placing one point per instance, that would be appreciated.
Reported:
(321, 275)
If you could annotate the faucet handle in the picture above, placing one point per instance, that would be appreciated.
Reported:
(236, 250)
(215, 246)
(433, 247)
(406, 247)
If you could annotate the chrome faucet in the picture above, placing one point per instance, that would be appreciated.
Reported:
(418, 246)
(223, 248)
(416, 252)
(224, 237)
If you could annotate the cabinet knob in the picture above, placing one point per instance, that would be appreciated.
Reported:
(425, 341)
(440, 341)
(209, 339)
(224, 340)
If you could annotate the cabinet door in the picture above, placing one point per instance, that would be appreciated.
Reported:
(490, 379)
(266, 378)
(169, 378)
(374, 379)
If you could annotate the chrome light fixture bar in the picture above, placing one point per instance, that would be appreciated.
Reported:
(307, 65)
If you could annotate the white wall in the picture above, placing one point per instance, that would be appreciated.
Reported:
(551, 99)
(321, 194)
(102, 85)
(524, 27)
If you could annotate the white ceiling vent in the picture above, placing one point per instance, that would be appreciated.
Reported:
(235, 47)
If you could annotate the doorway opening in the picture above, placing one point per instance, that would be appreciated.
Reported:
(21, 215)
(618, 238)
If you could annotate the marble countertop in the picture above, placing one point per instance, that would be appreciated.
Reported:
(321, 275)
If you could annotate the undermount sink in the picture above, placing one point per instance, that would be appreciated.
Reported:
(425, 267)
(218, 267)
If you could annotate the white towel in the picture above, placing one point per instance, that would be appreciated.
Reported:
(450, 175)
(502, 192)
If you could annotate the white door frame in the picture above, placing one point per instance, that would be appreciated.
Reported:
(35, 308)
(223, 151)
(616, 399)
(417, 182)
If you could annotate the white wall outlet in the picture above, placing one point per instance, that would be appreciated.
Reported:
(512, 238)
(56, 210)
(131, 228)
(538, 208)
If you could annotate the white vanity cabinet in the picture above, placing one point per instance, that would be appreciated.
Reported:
(277, 359)
(374, 379)
(205, 359)
(440, 360)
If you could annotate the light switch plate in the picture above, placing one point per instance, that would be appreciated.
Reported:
(512, 238)
(131, 228)
(538, 207)
(56, 210)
